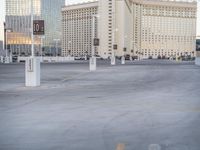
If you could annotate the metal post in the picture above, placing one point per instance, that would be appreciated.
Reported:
(41, 46)
(92, 65)
(6, 44)
(113, 36)
(93, 35)
(32, 66)
(42, 38)
(32, 36)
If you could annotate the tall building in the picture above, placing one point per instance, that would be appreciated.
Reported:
(51, 13)
(167, 28)
(18, 20)
(146, 28)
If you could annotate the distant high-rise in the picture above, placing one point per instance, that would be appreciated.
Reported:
(18, 19)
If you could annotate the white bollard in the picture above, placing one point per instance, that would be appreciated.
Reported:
(131, 58)
(11, 60)
(197, 61)
(113, 62)
(1, 59)
(123, 60)
(32, 72)
(93, 64)
(7, 60)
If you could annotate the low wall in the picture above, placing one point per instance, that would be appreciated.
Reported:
(50, 59)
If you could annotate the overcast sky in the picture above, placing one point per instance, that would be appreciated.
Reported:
(2, 13)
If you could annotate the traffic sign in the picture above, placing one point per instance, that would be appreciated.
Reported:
(38, 27)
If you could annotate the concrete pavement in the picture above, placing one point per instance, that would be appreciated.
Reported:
(141, 105)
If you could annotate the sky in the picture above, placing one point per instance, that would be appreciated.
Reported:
(2, 14)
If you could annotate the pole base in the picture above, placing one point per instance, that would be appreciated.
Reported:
(93, 64)
(113, 62)
(197, 61)
(32, 72)
(123, 60)
(7, 60)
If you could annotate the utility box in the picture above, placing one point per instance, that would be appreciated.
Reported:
(32, 72)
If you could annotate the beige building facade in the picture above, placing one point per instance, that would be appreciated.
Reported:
(77, 29)
(143, 28)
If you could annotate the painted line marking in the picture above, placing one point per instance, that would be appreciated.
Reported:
(120, 147)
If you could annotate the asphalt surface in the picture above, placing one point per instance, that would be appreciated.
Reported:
(147, 105)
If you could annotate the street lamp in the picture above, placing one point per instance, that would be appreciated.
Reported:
(42, 38)
(93, 58)
(114, 46)
(93, 33)
(124, 50)
(32, 67)
(113, 62)
(32, 36)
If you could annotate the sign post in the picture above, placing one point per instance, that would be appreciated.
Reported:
(32, 67)
(95, 42)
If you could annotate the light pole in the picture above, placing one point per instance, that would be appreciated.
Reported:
(42, 38)
(8, 60)
(56, 40)
(114, 46)
(124, 50)
(32, 36)
(69, 47)
(32, 67)
(93, 58)
(93, 33)
(113, 61)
